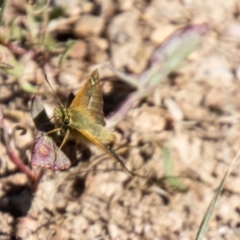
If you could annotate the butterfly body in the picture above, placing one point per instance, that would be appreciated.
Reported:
(77, 121)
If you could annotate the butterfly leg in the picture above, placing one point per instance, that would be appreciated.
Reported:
(64, 141)
(53, 131)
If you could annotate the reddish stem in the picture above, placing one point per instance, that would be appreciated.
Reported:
(12, 155)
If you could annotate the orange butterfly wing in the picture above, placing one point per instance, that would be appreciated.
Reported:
(90, 97)
(107, 150)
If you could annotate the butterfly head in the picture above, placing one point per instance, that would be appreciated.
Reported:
(61, 116)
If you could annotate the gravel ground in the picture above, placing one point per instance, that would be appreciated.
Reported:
(191, 120)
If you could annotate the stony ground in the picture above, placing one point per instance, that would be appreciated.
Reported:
(191, 120)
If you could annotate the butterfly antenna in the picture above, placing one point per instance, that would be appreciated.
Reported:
(53, 90)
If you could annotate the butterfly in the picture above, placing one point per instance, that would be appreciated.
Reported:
(82, 120)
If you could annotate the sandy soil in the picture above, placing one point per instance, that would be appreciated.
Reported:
(191, 120)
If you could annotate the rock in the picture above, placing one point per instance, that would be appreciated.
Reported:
(88, 26)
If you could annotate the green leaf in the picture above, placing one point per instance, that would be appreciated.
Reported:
(6, 57)
(173, 181)
(28, 87)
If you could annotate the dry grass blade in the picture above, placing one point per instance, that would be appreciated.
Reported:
(208, 214)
